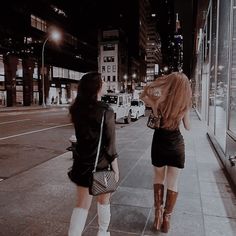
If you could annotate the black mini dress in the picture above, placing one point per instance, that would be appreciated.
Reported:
(168, 148)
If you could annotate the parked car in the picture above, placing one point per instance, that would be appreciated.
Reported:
(137, 109)
(121, 104)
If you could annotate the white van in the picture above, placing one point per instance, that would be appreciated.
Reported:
(121, 104)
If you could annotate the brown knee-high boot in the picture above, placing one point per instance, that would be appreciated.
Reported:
(171, 197)
(158, 203)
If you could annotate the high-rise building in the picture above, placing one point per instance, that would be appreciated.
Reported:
(165, 19)
(177, 61)
(166, 26)
(153, 48)
(144, 6)
(131, 17)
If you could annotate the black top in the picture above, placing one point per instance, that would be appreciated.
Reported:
(87, 131)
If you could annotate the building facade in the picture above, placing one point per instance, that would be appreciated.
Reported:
(153, 49)
(25, 43)
(214, 78)
(113, 59)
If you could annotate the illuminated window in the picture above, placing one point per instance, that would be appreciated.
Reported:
(108, 47)
(38, 23)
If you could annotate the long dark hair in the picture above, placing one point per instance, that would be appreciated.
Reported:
(88, 88)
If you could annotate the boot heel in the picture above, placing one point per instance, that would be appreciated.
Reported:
(166, 223)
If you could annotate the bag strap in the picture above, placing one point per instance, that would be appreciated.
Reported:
(99, 143)
(158, 113)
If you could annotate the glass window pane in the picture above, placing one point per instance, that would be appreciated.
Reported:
(232, 100)
(198, 85)
(222, 71)
(212, 85)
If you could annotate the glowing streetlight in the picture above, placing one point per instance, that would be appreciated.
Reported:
(55, 36)
(125, 81)
(134, 75)
(166, 68)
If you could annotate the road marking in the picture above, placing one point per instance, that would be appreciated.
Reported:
(13, 121)
(35, 131)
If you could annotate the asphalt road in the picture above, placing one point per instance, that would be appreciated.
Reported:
(29, 138)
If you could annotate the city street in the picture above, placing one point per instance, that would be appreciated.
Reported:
(39, 201)
(144, 55)
(29, 138)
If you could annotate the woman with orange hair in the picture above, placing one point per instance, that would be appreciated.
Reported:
(170, 96)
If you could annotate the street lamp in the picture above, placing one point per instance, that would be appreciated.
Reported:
(125, 82)
(55, 36)
(134, 75)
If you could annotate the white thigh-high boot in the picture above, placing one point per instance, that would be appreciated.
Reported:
(77, 221)
(104, 216)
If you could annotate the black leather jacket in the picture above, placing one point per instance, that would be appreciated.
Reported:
(87, 131)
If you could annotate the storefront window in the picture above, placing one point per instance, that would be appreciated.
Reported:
(212, 84)
(222, 71)
(198, 86)
(232, 100)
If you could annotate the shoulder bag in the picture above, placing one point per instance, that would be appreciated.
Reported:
(154, 122)
(103, 181)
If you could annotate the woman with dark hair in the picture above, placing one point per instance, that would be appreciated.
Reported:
(169, 97)
(86, 115)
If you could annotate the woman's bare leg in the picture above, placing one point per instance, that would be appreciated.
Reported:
(172, 178)
(159, 175)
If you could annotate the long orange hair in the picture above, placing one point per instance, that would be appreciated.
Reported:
(172, 96)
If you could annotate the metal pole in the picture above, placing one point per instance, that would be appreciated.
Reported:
(43, 87)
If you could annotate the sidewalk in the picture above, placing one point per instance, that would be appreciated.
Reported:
(39, 202)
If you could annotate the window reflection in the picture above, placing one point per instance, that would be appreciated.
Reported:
(232, 100)
(212, 85)
(222, 72)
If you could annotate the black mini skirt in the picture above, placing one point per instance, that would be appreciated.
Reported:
(81, 171)
(168, 148)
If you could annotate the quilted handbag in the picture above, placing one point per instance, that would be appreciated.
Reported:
(103, 181)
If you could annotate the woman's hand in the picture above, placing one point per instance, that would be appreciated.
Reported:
(115, 168)
(117, 176)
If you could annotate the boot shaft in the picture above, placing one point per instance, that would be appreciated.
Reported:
(104, 216)
(158, 203)
(158, 195)
(171, 197)
(77, 221)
